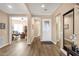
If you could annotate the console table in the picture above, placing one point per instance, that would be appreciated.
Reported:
(70, 51)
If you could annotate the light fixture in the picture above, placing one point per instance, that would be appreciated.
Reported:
(9, 6)
(43, 6)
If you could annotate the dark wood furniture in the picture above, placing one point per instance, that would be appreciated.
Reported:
(67, 46)
(22, 35)
(70, 51)
(14, 35)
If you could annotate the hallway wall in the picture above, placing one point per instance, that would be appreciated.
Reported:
(77, 24)
(60, 11)
(29, 29)
(4, 33)
(37, 26)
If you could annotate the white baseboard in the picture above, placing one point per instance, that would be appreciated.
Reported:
(30, 41)
(4, 45)
(54, 42)
(45, 41)
(63, 51)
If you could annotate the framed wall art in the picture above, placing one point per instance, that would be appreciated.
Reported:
(2, 25)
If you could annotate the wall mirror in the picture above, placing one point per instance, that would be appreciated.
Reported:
(68, 28)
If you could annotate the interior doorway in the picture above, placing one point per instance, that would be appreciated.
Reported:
(18, 28)
(46, 30)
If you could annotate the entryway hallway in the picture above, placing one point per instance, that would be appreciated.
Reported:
(37, 48)
(47, 29)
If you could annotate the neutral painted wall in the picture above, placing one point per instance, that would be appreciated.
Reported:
(29, 29)
(4, 33)
(5, 37)
(58, 29)
(77, 24)
(38, 25)
(60, 11)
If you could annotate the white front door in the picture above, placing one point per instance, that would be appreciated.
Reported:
(46, 30)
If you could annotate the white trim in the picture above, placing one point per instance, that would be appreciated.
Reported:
(10, 30)
(30, 41)
(4, 45)
(63, 51)
(43, 37)
(54, 42)
(46, 40)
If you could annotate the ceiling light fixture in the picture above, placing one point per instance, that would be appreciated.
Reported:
(9, 6)
(43, 6)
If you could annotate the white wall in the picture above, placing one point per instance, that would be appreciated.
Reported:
(29, 29)
(4, 33)
(36, 26)
(58, 27)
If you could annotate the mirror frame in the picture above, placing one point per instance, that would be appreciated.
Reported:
(72, 10)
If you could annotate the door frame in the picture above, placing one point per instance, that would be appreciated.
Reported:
(10, 27)
(46, 19)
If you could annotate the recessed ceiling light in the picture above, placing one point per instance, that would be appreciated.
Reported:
(43, 6)
(45, 9)
(9, 6)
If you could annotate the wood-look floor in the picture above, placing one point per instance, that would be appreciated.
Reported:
(37, 48)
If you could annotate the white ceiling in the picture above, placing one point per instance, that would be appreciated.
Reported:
(36, 8)
(17, 8)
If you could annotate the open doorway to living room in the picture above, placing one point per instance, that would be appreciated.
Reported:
(18, 28)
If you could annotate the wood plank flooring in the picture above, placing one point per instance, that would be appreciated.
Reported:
(37, 48)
